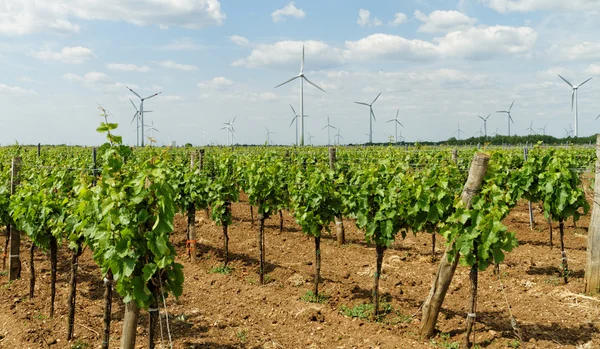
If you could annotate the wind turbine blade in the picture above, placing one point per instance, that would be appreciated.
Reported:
(397, 112)
(310, 82)
(376, 98)
(372, 114)
(362, 103)
(293, 119)
(501, 111)
(585, 81)
(302, 62)
(133, 104)
(392, 120)
(511, 119)
(597, 117)
(480, 117)
(511, 105)
(135, 93)
(154, 95)
(400, 123)
(565, 80)
(134, 116)
(572, 99)
(488, 116)
(324, 127)
(232, 121)
(293, 110)
(283, 83)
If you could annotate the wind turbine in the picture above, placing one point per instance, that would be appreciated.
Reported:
(295, 118)
(543, 129)
(310, 137)
(458, 131)
(141, 111)
(268, 136)
(574, 102)
(328, 127)
(396, 123)
(302, 77)
(371, 114)
(152, 129)
(338, 135)
(568, 132)
(510, 119)
(205, 134)
(229, 128)
(484, 123)
(530, 129)
(480, 133)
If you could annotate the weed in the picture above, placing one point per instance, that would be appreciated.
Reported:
(40, 317)
(251, 281)
(365, 311)
(79, 344)
(268, 279)
(310, 297)
(554, 280)
(242, 335)
(514, 344)
(221, 270)
(3, 273)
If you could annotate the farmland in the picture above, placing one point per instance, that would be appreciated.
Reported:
(244, 248)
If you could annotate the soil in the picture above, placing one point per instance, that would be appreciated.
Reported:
(233, 311)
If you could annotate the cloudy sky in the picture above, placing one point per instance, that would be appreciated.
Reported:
(439, 63)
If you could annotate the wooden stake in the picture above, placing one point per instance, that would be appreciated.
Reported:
(592, 264)
(339, 221)
(446, 269)
(14, 260)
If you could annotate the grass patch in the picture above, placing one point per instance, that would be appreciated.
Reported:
(365, 311)
(444, 343)
(79, 344)
(310, 297)
(3, 273)
(242, 336)
(221, 270)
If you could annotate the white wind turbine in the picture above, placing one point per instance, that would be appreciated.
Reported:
(530, 129)
(543, 129)
(141, 111)
(480, 132)
(574, 102)
(152, 129)
(230, 129)
(484, 123)
(371, 116)
(510, 119)
(396, 123)
(338, 136)
(295, 118)
(569, 132)
(268, 137)
(205, 134)
(328, 127)
(458, 131)
(302, 77)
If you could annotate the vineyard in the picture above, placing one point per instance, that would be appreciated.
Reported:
(274, 247)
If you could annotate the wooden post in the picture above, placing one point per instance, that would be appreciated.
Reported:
(14, 260)
(455, 156)
(192, 159)
(39, 149)
(446, 269)
(592, 264)
(201, 159)
(531, 220)
(339, 223)
(130, 325)
(191, 218)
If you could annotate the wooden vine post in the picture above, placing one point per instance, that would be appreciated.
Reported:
(191, 219)
(592, 265)
(446, 269)
(531, 220)
(339, 223)
(130, 325)
(14, 260)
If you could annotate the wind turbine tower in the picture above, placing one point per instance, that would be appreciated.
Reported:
(141, 111)
(574, 102)
(371, 116)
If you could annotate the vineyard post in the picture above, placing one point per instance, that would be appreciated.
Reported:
(39, 148)
(130, 325)
(455, 156)
(531, 220)
(191, 219)
(14, 261)
(592, 265)
(446, 269)
(339, 223)
(201, 168)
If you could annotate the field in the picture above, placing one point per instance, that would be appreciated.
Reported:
(233, 311)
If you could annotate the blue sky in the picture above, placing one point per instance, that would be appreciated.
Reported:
(439, 63)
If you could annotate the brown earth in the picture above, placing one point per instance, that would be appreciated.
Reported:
(233, 311)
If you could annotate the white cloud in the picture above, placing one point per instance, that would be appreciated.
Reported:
(218, 82)
(98, 81)
(505, 6)
(73, 55)
(239, 40)
(444, 21)
(593, 69)
(20, 17)
(183, 44)
(552, 73)
(386, 46)
(581, 51)
(178, 66)
(290, 10)
(284, 52)
(128, 67)
(6, 90)
(364, 19)
(399, 18)
(170, 98)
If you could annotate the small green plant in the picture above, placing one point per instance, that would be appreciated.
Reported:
(242, 335)
(221, 270)
(366, 311)
(310, 297)
(552, 281)
(79, 344)
(251, 281)
(268, 279)
(514, 344)
(40, 317)
(3, 273)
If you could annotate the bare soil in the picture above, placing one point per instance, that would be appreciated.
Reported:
(233, 311)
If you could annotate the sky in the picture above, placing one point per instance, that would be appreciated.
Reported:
(437, 64)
